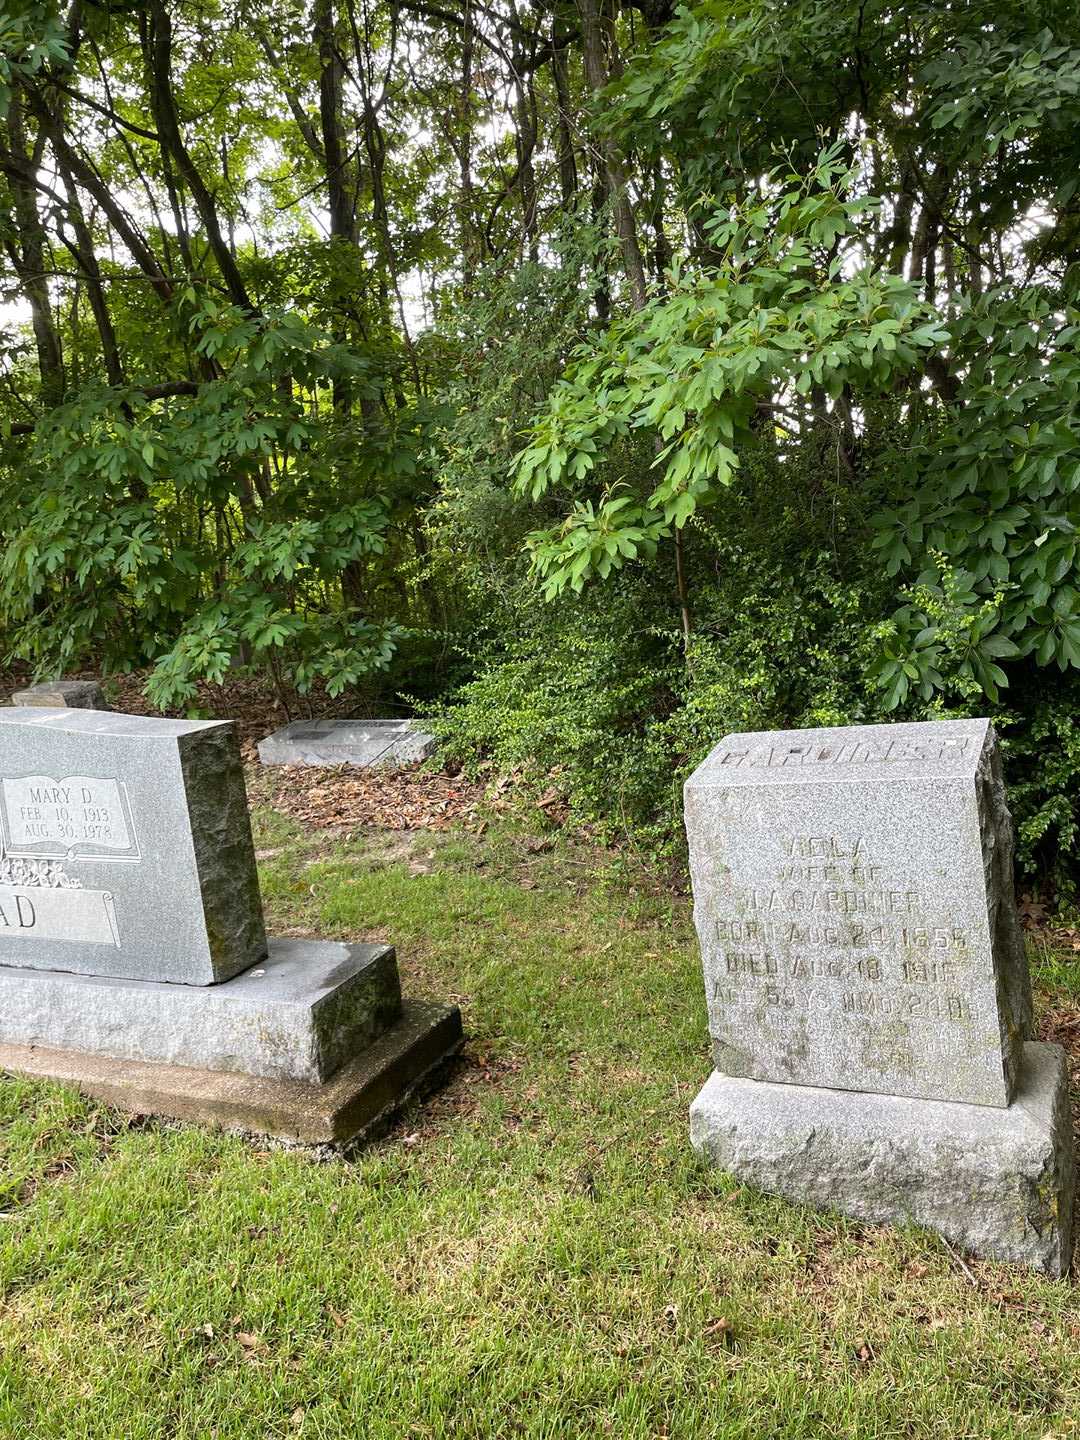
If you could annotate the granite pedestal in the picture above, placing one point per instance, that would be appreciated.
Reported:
(296, 1016)
(998, 1182)
(867, 984)
(347, 742)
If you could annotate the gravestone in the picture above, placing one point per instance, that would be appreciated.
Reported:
(126, 847)
(867, 986)
(347, 742)
(65, 694)
(133, 957)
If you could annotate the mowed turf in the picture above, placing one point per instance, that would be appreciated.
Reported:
(534, 1252)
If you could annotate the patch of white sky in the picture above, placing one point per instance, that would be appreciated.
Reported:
(276, 203)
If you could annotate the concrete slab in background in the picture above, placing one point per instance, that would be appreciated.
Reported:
(347, 742)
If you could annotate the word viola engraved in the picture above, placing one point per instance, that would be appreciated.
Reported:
(75, 815)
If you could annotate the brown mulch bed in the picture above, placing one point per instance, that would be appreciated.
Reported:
(345, 798)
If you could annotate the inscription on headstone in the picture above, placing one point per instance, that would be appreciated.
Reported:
(853, 900)
(67, 816)
(87, 916)
(125, 847)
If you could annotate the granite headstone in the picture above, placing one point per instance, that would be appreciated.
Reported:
(126, 847)
(65, 694)
(867, 986)
(853, 900)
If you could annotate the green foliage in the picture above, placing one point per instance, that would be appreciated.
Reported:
(170, 542)
(881, 329)
(1041, 742)
(943, 640)
(609, 709)
(32, 35)
(777, 310)
(1000, 484)
(729, 379)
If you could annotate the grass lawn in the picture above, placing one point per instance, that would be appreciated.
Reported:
(534, 1252)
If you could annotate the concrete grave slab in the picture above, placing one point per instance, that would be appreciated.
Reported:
(363, 1093)
(998, 1182)
(300, 1014)
(126, 847)
(65, 694)
(853, 898)
(347, 742)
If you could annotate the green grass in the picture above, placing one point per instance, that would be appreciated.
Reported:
(534, 1252)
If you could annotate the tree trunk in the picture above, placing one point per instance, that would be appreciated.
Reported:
(167, 120)
(597, 75)
(26, 251)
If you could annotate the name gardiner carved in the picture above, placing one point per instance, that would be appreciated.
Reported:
(856, 752)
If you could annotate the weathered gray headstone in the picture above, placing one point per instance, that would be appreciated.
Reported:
(347, 742)
(853, 897)
(126, 847)
(66, 694)
(133, 959)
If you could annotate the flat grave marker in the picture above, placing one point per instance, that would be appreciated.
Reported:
(347, 742)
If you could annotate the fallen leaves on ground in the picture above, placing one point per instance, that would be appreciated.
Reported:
(344, 798)
(1036, 917)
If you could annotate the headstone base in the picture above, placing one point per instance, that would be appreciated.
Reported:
(365, 1091)
(995, 1181)
(297, 1015)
